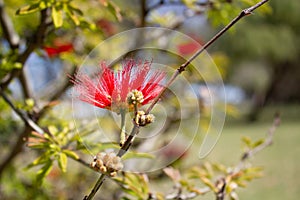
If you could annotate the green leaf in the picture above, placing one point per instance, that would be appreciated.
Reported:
(259, 142)
(18, 65)
(135, 185)
(76, 10)
(62, 162)
(220, 167)
(28, 9)
(72, 15)
(247, 141)
(44, 158)
(71, 154)
(209, 183)
(57, 16)
(39, 146)
(53, 130)
(43, 172)
(132, 154)
(29, 102)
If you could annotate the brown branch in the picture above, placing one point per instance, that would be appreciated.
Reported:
(27, 92)
(15, 149)
(82, 162)
(177, 3)
(8, 29)
(38, 37)
(220, 195)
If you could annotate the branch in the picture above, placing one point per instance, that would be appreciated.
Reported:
(8, 29)
(15, 149)
(220, 195)
(81, 162)
(27, 92)
(96, 187)
(182, 68)
(38, 37)
(178, 3)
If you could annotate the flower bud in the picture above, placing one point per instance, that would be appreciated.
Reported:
(142, 119)
(135, 97)
(107, 163)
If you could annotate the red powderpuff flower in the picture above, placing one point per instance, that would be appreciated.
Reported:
(110, 88)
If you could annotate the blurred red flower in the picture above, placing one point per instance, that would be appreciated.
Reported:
(190, 47)
(110, 88)
(106, 26)
(57, 49)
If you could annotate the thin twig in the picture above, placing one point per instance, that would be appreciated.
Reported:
(27, 92)
(220, 195)
(16, 148)
(96, 187)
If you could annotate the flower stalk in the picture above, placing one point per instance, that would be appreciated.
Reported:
(123, 128)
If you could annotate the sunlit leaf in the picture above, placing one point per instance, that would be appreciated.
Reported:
(45, 157)
(62, 162)
(72, 15)
(43, 172)
(57, 16)
(71, 154)
(28, 9)
(53, 130)
(208, 183)
(246, 140)
(133, 154)
(257, 143)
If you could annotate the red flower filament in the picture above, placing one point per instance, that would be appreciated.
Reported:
(110, 88)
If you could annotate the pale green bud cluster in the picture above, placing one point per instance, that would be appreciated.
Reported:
(143, 119)
(135, 97)
(107, 163)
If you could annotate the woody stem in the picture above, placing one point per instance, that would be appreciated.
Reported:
(96, 187)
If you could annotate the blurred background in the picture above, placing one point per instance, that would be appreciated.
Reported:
(43, 41)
